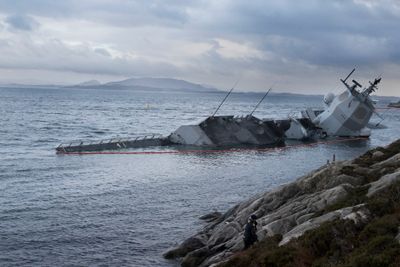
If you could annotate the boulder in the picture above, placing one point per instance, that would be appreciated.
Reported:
(359, 216)
(210, 217)
(285, 218)
(342, 179)
(377, 154)
(383, 182)
(216, 259)
(236, 243)
(356, 214)
(190, 244)
(321, 179)
(304, 218)
(224, 233)
(195, 258)
(393, 162)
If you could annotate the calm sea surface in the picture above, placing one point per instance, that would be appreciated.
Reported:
(126, 210)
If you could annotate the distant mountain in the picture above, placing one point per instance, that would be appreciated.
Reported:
(89, 83)
(36, 86)
(161, 84)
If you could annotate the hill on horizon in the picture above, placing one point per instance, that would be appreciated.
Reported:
(89, 83)
(149, 84)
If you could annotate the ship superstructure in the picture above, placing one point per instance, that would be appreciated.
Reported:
(348, 113)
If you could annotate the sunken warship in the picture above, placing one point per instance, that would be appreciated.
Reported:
(394, 104)
(344, 115)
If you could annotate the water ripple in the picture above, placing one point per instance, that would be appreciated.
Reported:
(125, 210)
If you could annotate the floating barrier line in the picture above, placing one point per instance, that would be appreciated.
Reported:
(206, 151)
(385, 108)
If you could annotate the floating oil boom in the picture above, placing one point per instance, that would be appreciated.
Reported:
(346, 114)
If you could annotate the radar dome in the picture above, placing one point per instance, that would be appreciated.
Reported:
(328, 98)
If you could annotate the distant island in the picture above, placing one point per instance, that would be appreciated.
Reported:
(152, 84)
(147, 84)
(89, 83)
(138, 84)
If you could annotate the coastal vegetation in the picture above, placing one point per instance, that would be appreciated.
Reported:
(342, 214)
(337, 243)
(374, 241)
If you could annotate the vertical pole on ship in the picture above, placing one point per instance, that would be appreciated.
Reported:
(215, 112)
(262, 99)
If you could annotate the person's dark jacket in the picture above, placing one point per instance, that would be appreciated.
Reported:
(250, 234)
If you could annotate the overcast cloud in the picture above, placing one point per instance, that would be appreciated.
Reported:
(305, 46)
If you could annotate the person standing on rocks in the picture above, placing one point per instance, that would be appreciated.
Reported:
(250, 232)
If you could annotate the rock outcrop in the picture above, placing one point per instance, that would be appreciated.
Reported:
(292, 209)
(357, 214)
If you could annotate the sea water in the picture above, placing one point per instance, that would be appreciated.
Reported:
(126, 210)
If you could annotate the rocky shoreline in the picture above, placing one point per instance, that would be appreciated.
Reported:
(337, 191)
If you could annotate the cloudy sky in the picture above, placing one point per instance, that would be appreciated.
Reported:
(304, 46)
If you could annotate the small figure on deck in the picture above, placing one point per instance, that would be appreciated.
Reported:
(250, 232)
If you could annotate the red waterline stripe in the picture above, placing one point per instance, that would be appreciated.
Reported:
(210, 150)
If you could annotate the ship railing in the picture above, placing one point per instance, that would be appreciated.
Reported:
(122, 140)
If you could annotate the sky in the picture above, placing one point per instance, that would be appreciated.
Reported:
(300, 46)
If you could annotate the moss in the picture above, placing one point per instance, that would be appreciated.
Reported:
(331, 240)
(279, 257)
(385, 202)
(381, 250)
(337, 243)
(367, 177)
(349, 170)
(380, 206)
(262, 253)
(341, 242)
(367, 160)
(392, 149)
(387, 225)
